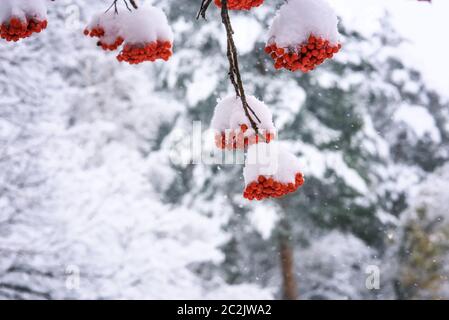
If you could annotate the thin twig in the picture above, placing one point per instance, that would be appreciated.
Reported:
(134, 4)
(234, 69)
(204, 6)
(114, 5)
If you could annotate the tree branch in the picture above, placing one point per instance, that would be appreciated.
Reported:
(133, 3)
(234, 69)
(204, 6)
(24, 290)
(114, 5)
(231, 53)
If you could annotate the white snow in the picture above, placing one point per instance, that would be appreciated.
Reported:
(338, 261)
(144, 25)
(264, 220)
(110, 23)
(229, 114)
(316, 162)
(204, 81)
(291, 98)
(22, 9)
(433, 195)
(147, 24)
(247, 31)
(273, 160)
(422, 24)
(296, 20)
(419, 119)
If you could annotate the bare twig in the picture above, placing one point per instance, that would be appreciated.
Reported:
(204, 6)
(234, 70)
(114, 5)
(133, 3)
(231, 53)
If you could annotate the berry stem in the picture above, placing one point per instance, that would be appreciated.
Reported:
(114, 5)
(234, 69)
(204, 6)
(232, 55)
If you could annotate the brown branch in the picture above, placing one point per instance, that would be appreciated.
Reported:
(231, 53)
(114, 5)
(234, 69)
(286, 256)
(204, 6)
(22, 289)
(289, 289)
(133, 3)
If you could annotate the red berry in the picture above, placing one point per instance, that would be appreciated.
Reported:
(305, 57)
(241, 4)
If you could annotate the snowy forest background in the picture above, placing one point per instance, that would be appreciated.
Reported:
(93, 206)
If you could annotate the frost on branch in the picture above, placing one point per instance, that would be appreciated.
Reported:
(144, 33)
(241, 4)
(19, 19)
(233, 129)
(271, 172)
(303, 35)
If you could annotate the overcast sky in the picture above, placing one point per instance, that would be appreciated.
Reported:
(425, 25)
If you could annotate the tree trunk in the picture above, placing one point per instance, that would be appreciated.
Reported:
(289, 290)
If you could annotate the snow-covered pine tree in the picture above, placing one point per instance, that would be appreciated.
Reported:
(421, 243)
(27, 263)
(109, 232)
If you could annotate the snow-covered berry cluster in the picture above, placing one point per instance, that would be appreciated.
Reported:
(144, 33)
(19, 19)
(266, 187)
(303, 35)
(99, 32)
(134, 54)
(271, 172)
(237, 139)
(305, 57)
(241, 4)
(232, 127)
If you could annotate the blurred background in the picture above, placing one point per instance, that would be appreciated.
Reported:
(93, 206)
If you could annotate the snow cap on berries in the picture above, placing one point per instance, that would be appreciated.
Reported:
(145, 33)
(105, 25)
(229, 114)
(261, 159)
(232, 127)
(303, 35)
(270, 159)
(23, 9)
(271, 171)
(296, 20)
(141, 26)
(21, 18)
(145, 25)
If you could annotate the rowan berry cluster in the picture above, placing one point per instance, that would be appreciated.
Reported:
(99, 32)
(134, 54)
(239, 139)
(16, 29)
(241, 4)
(267, 187)
(304, 57)
(142, 33)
